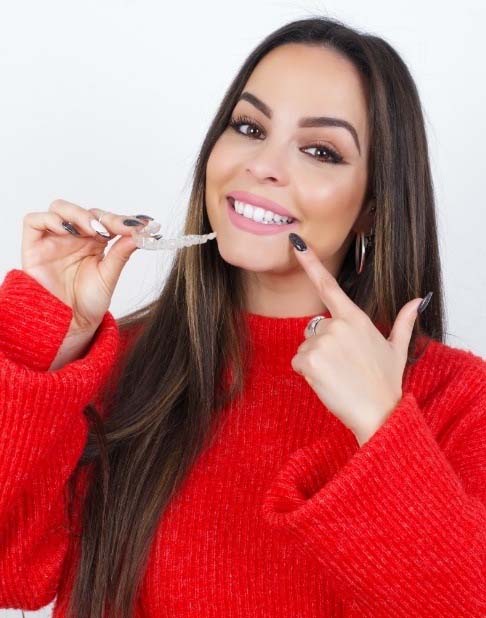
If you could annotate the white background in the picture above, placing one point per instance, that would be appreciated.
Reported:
(105, 104)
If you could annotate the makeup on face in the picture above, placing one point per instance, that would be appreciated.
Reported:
(309, 122)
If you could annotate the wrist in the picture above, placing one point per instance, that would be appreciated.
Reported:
(377, 419)
(74, 346)
(81, 329)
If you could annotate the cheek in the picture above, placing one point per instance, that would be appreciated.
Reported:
(214, 177)
(335, 194)
(219, 164)
(221, 170)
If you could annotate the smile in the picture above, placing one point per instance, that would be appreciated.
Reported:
(257, 220)
(258, 214)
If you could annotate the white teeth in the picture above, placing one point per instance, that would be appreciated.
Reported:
(256, 213)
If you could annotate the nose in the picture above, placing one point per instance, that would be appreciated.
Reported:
(268, 164)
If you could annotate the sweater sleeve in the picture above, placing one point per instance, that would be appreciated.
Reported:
(34, 321)
(398, 525)
(42, 434)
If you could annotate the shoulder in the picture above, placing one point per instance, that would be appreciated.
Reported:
(449, 385)
(450, 363)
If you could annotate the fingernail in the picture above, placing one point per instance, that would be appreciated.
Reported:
(424, 303)
(151, 227)
(297, 241)
(100, 228)
(144, 217)
(70, 228)
(132, 222)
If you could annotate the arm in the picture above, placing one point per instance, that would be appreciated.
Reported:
(42, 434)
(398, 524)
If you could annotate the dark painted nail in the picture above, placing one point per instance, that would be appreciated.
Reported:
(144, 217)
(425, 302)
(70, 228)
(132, 222)
(297, 241)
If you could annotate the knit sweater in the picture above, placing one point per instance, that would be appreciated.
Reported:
(284, 515)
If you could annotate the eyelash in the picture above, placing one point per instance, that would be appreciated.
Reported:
(234, 123)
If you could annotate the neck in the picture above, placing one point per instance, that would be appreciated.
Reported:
(281, 296)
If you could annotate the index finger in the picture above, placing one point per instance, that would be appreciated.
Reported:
(329, 290)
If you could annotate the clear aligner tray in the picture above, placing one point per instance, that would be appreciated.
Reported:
(147, 238)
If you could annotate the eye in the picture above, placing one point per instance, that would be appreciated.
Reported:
(335, 157)
(244, 121)
(235, 123)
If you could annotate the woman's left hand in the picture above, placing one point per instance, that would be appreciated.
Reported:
(354, 370)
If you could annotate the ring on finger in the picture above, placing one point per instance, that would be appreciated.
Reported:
(98, 226)
(101, 216)
(312, 325)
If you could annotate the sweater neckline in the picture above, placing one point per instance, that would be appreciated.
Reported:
(274, 340)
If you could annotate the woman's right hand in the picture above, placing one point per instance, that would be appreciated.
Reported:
(74, 267)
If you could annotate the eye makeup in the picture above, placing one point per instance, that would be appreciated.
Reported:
(241, 120)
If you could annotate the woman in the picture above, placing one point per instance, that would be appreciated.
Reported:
(248, 465)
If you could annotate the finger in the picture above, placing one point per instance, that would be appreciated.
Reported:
(295, 364)
(330, 292)
(402, 330)
(123, 225)
(86, 220)
(77, 216)
(115, 259)
(36, 224)
(319, 328)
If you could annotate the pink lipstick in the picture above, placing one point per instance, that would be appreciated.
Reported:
(248, 225)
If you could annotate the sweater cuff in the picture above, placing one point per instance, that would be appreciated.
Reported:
(34, 321)
(390, 522)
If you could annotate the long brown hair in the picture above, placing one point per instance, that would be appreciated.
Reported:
(167, 393)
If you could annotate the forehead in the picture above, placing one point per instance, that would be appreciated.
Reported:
(297, 80)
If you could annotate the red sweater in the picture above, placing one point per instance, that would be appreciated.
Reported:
(284, 515)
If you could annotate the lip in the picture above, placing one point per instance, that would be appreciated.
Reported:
(263, 202)
(261, 229)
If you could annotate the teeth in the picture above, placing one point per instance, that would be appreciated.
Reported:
(258, 214)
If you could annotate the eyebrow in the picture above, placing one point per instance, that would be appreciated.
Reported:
(311, 121)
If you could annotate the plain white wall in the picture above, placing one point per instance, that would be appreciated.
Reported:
(106, 104)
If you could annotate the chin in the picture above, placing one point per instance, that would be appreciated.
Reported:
(242, 256)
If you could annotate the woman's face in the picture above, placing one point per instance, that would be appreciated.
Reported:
(274, 158)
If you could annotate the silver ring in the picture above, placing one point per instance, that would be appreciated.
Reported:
(311, 327)
(100, 217)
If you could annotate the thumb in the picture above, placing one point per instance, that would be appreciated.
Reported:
(116, 258)
(401, 332)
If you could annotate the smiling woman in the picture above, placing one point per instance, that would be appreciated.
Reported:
(205, 477)
(295, 145)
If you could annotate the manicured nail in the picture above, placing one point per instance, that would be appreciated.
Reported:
(70, 228)
(132, 222)
(99, 228)
(297, 241)
(144, 217)
(424, 303)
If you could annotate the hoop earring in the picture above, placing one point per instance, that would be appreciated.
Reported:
(362, 241)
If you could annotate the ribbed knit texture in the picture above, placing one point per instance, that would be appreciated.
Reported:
(283, 515)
